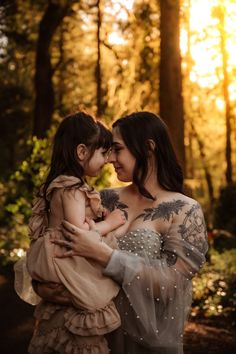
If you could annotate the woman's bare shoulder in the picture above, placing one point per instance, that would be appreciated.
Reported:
(175, 196)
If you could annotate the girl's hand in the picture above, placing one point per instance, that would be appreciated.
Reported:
(83, 243)
(105, 212)
(116, 218)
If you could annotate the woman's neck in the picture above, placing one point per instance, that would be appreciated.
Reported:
(151, 184)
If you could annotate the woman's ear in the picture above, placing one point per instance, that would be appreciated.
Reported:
(81, 151)
(151, 145)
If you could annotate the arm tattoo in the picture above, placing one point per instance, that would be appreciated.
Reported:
(165, 210)
(193, 228)
(110, 201)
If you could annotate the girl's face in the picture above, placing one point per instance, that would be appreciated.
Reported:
(93, 166)
(121, 158)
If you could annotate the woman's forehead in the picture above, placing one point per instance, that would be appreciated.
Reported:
(116, 136)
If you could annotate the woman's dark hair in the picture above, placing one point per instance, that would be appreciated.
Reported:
(75, 129)
(105, 137)
(137, 129)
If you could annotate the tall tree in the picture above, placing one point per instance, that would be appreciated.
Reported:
(190, 113)
(170, 91)
(219, 13)
(44, 99)
(98, 74)
(18, 20)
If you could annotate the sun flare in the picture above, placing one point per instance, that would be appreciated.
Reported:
(204, 35)
(205, 40)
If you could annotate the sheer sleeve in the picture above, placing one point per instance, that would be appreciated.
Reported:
(156, 290)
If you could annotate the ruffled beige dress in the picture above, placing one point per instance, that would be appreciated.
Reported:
(77, 329)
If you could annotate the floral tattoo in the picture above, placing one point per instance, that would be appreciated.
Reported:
(110, 201)
(165, 210)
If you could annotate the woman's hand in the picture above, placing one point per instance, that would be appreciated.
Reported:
(53, 292)
(84, 243)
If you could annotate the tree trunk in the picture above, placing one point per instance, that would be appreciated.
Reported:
(228, 147)
(170, 91)
(44, 100)
(205, 166)
(98, 64)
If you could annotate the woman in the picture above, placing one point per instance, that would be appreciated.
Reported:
(161, 246)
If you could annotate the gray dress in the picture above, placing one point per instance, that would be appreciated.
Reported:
(154, 272)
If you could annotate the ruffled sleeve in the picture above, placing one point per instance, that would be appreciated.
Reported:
(38, 222)
(94, 200)
(156, 293)
(67, 182)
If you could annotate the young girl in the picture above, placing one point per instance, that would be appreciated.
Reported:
(80, 149)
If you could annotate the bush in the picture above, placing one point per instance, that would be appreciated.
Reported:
(16, 197)
(225, 212)
(214, 288)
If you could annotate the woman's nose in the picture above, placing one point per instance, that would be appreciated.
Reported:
(111, 157)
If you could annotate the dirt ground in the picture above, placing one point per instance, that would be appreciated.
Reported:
(16, 324)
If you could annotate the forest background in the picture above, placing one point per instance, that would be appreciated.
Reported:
(112, 57)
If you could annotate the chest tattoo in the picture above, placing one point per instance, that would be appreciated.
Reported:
(165, 210)
(110, 201)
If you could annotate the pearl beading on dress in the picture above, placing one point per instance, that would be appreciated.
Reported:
(142, 241)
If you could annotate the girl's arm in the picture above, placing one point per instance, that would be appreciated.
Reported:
(112, 221)
(74, 211)
(73, 202)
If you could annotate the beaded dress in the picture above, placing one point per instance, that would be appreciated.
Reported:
(154, 271)
(77, 329)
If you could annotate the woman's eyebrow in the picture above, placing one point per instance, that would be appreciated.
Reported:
(116, 143)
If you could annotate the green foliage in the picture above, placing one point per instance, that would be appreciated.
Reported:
(16, 197)
(214, 288)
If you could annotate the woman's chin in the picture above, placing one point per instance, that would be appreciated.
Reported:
(123, 178)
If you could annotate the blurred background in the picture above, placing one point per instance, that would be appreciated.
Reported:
(175, 58)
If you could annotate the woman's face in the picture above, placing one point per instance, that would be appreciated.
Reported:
(121, 158)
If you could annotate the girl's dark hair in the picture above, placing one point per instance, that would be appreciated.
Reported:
(75, 129)
(137, 129)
